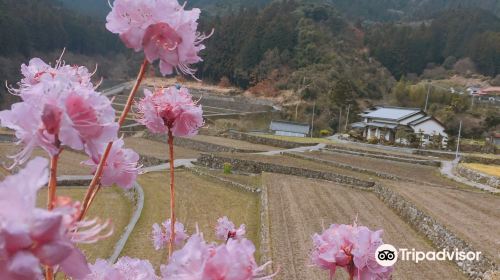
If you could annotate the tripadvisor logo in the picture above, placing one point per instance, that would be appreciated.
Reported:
(388, 255)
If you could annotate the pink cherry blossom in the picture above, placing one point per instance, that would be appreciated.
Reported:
(225, 230)
(161, 234)
(170, 109)
(59, 108)
(198, 260)
(352, 248)
(121, 166)
(162, 28)
(29, 236)
(125, 269)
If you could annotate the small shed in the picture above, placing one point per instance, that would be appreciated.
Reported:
(287, 128)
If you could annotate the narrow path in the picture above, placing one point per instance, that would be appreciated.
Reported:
(297, 150)
(446, 170)
(188, 162)
(131, 225)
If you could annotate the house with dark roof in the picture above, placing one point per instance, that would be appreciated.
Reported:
(287, 128)
(383, 122)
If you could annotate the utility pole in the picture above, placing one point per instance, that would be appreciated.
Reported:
(458, 141)
(340, 122)
(347, 117)
(312, 122)
(296, 111)
(427, 98)
(472, 105)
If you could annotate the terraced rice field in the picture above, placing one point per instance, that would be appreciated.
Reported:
(253, 180)
(295, 162)
(473, 215)
(199, 201)
(237, 144)
(489, 169)
(417, 172)
(119, 211)
(300, 207)
(69, 161)
(157, 149)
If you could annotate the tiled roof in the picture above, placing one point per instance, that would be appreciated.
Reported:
(390, 113)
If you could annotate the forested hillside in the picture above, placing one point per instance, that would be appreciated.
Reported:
(450, 36)
(42, 28)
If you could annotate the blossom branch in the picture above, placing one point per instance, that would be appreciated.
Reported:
(97, 176)
(172, 194)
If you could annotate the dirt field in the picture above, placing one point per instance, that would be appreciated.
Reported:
(254, 180)
(200, 200)
(474, 216)
(237, 144)
(69, 162)
(418, 172)
(157, 149)
(295, 162)
(300, 207)
(119, 211)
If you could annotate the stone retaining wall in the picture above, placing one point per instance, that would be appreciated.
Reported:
(199, 145)
(432, 153)
(358, 169)
(478, 177)
(147, 161)
(480, 160)
(385, 156)
(7, 138)
(215, 161)
(438, 234)
(255, 139)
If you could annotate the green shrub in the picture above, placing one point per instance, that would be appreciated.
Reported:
(228, 168)
(373, 140)
(325, 132)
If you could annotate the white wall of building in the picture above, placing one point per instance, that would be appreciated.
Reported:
(286, 133)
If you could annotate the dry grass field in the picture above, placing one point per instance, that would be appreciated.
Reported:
(418, 172)
(300, 207)
(237, 144)
(157, 149)
(295, 162)
(111, 204)
(473, 215)
(69, 162)
(200, 201)
(489, 169)
(253, 180)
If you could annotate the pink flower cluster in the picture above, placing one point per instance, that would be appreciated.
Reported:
(161, 234)
(226, 230)
(125, 269)
(30, 236)
(170, 109)
(61, 108)
(198, 260)
(121, 165)
(352, 248)
(162, 28)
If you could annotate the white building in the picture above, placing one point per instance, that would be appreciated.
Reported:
(383, 122)
(286, 128)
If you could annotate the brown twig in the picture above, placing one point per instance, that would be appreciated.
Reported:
(51, 197)
(172, 194)
(100, 167)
